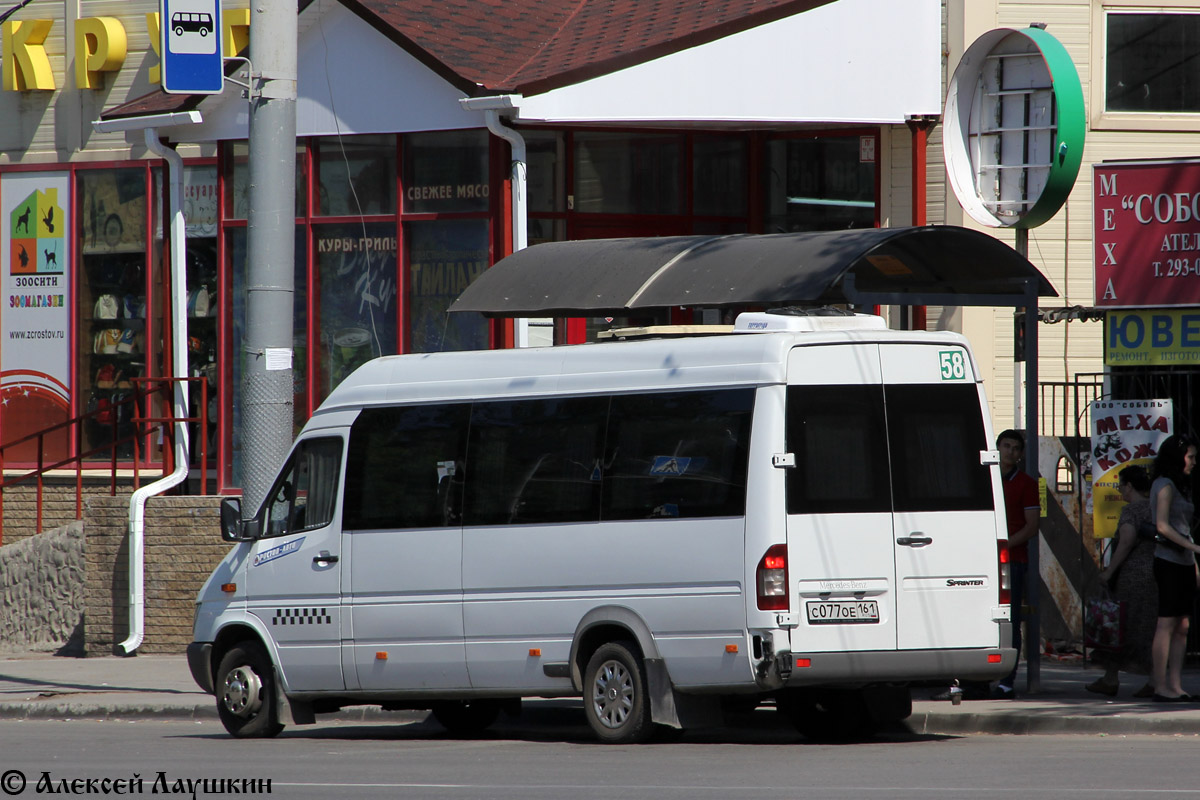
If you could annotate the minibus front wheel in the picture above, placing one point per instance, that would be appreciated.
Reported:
(245, 690)
(614, 694)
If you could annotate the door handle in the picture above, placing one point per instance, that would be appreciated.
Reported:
(322, 559)
(914, 541)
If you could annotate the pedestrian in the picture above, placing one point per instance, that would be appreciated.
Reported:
(1023, 506)
(1130, 575)
(1175, 568)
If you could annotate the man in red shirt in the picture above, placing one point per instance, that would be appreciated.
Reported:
(1022, 503)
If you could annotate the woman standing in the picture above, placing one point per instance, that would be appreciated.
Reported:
(1175, 567)
(1132, 566)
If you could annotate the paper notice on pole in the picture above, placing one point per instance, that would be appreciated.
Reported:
(278, 358)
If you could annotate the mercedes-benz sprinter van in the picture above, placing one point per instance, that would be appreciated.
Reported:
(805, 510)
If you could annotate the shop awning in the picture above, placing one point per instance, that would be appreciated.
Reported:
(932, 265)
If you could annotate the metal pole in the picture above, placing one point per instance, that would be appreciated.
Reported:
(266, 353)
(1033, 579)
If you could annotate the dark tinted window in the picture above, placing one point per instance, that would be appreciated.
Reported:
(405, 467)
(535, 461)
(677, 455)
(1150, 62)
(838, 437)
(936, 436)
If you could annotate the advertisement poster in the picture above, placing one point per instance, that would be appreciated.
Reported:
(444, 258)
(1124, 433)
(1146, 230)
(357, 265)
(35, 356)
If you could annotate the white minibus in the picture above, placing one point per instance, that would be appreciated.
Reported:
(803, 510)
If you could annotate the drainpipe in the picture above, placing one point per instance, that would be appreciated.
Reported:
(137, 503)
(491, 107)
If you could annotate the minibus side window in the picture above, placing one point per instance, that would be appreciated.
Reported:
(936, 436)
(838, 436)
(677, 454)
(306, 493)
(535, 461)
(404, 467)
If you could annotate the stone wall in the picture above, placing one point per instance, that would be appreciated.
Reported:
(41, 589)
(182, 546)
(58, 506)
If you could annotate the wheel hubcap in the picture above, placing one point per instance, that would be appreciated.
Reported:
(242, 692)
(612, 694)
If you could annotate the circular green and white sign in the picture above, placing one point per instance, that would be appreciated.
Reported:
(1013, 128)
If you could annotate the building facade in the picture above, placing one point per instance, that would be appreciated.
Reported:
(651, 119)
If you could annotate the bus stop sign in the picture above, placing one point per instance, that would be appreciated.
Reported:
(192, 57)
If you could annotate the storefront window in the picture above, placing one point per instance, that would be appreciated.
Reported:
(358, 175)
(236, 245)
(446, 172)
(237, 183)
(112, 300)
(444, 257)
(719, 176)
(1150, 63)
(200, 213)
(545, 154)
(818, 184)
(628, 173)
(357, 268)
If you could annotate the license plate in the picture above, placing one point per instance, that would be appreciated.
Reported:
(842, 612)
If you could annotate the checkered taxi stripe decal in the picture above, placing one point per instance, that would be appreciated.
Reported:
(301, 616)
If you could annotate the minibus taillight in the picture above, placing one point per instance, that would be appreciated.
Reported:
(772, 579)
(1005, 574)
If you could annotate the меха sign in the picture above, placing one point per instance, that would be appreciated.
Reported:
(1147, 234)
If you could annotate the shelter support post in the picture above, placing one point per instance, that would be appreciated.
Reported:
(1033, 586)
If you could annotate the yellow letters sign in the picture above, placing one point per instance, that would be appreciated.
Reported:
(26, 66)
(100, 46)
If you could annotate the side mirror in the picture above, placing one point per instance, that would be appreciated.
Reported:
(231, 519)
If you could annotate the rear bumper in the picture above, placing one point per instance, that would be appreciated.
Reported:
(199, 658)
(850, 669)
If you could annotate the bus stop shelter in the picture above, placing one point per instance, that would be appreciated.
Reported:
(929, 265)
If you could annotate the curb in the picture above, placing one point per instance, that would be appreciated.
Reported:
(199, 711)
(936, 723)
(928, 723)
(64, 711)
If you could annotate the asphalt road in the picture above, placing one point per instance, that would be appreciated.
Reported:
(554, 758)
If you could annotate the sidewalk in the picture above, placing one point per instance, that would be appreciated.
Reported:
(41, 686)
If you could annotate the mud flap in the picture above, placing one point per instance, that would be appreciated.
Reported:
(662, 696)
(291, 712)
(668, 707)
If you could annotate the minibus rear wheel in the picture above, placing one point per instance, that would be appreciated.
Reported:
(614, 694)
(245, 690)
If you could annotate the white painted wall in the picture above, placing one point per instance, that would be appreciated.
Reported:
(852, 61)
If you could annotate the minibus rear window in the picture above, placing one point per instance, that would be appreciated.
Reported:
(936, 436)
(839, 440)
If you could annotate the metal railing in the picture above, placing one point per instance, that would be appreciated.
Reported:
(126, 425)
(1064, 407)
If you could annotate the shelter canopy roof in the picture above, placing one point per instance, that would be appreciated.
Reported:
(933, 265)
